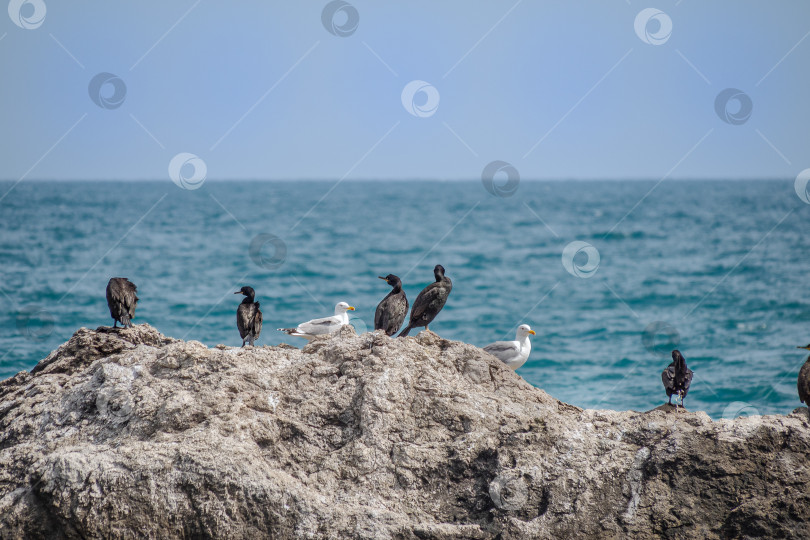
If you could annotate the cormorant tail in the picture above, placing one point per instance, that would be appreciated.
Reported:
(125, 320)
(405, 332)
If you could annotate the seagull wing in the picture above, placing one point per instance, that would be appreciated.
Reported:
(504, 350)
(319, 327)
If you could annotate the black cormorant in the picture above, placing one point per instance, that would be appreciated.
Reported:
(804, 379)
(677, 377)
(430, 301)
(121, 300)
(248, 317)
(392, 309)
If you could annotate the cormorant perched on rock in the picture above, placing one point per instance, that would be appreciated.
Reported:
(121, 300)
(677, 377)
(430, 301)
(248, 317)
(513, 353)
(804, 379)
(392, 309)
(321, 327)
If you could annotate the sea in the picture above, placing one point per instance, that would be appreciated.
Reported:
(612, 275)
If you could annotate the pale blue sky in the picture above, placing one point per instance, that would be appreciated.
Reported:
(559, 89)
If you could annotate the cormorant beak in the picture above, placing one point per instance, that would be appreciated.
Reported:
(350, 308)
(806, 347)
(532, 332)
(238, 292)
(382, 278)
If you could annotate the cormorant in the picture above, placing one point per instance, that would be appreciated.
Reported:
(804, 379)
(321, 327)
(248, 317)
(121, 300)
(513, 353)
(392, 309)
(430, 301)
(677, 377)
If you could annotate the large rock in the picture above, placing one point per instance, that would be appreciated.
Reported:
(129, 432)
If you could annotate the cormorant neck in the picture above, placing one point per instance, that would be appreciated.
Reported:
(248, 299)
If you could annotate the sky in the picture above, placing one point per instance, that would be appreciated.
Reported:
(376, 90)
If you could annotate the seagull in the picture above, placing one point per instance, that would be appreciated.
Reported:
(513, 353)
(430, 301)
(392, 309)
(248, 317)
(121, 300)
(804, 379)
(677, 378)
(321, 327)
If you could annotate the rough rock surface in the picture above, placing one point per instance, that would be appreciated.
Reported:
(127, 432)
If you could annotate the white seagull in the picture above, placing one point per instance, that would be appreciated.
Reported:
(321, 327)
(513, 353)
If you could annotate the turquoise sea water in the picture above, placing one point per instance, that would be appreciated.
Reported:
(718, 267)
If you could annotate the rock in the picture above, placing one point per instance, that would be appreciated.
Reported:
(129, 432)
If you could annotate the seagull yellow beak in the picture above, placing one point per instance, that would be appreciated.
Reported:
(532, 332)
(351, 308)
